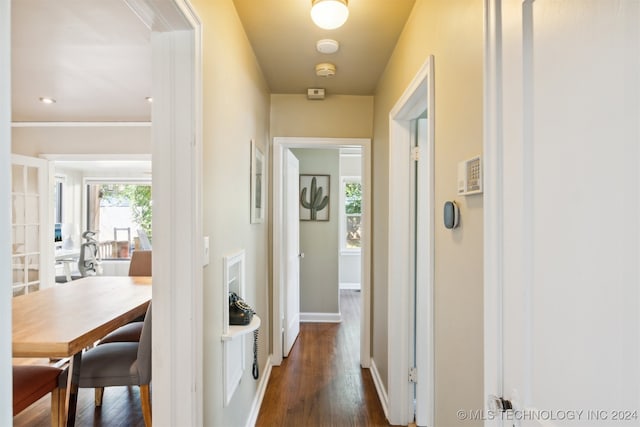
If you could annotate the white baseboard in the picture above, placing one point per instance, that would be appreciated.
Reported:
(257, 400)
(382, 392)
(320, 317)
(350, 286)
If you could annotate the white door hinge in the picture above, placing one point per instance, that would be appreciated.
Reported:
(415, 153)
(413, 375)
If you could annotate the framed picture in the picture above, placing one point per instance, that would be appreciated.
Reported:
(314, 197)
(257, 184)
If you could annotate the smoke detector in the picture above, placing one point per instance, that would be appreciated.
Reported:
(325, 69)
(327, 46)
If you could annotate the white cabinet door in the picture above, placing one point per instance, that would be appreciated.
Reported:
(31, 245)
(562, 211)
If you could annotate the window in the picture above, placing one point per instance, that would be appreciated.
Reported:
(120, 214)
(352, 215)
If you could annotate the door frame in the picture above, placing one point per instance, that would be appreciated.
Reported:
(280, 144)
(418, 97)
(493, 204)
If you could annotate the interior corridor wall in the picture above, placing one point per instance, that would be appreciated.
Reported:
(235, 111)
(319, 278)
(452, 31)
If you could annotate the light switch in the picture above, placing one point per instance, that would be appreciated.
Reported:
(206, 258)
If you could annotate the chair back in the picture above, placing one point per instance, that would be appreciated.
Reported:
(144, 350)
(140, 263)
(88, 261)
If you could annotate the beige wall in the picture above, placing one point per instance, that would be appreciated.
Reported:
(453, 32)
(337, 116)
(235, 110)
(32, 141)
(319, 239)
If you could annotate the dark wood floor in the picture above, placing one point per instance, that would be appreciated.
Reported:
(120, 408)
(321, 382)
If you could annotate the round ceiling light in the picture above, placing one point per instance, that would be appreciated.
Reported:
(47, 100)
(329, 14)
(327, 46)
(325, 69)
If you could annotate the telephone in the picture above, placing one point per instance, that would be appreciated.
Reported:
(241, 313)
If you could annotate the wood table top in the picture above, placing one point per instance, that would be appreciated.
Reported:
(61, 320)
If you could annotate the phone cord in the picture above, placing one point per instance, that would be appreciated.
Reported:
(256, 373)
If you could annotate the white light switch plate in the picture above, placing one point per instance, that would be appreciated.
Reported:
(206, 258)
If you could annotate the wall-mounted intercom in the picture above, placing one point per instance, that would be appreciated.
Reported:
(470, 176)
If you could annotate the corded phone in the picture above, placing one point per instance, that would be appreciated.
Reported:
(241, 313)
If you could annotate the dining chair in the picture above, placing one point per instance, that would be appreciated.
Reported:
(140, 266)
(119, 364)
(32, 382)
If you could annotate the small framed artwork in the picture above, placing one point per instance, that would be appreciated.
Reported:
(314, 197)
(257, 184)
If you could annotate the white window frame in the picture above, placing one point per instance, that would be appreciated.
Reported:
(344, 180)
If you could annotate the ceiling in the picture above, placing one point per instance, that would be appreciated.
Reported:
(94, 56)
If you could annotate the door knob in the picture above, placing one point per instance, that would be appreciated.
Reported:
(499, 404)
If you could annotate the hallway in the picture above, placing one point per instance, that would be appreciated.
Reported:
(321, 382)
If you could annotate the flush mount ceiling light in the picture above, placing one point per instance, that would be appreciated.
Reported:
(329, 14)
(327, 46)
(46, 100)
(325, 69)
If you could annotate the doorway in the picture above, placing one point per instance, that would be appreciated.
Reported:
(411, 283)
(282, 146)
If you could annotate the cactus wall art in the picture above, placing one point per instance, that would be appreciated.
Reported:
(314, 197)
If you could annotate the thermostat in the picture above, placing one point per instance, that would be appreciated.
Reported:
(451, 215)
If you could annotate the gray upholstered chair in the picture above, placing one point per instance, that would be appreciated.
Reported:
(140, 266)
(119, 364)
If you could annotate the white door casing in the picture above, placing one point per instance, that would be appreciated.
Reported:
(292, 252)
(562, 202)
(417, 98)
(280, 146)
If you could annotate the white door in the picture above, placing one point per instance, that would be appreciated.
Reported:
(32, 239)
(292, 252)
(562, 212)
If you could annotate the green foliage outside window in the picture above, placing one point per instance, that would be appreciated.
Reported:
(353, 198)
(137, 197)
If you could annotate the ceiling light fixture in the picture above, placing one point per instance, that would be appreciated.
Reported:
(325, 69)
(46, 100)
(329, 14)
(149, 99)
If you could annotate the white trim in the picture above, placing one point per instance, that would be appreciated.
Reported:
(418, 97)
(259, 396)
(6, 405)
(320, 317)
(78, 124)
(382, 392)
(95, 157)
(279, 146)
(493, 203)
(177, 183)
(349, 286)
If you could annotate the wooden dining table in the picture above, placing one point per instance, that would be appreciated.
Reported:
(62, 320)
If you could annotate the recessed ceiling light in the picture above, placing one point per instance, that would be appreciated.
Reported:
(46, 100)
(327, 46)
(149, 99)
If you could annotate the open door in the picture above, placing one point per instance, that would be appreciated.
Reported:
(292, 252)
(562, 213)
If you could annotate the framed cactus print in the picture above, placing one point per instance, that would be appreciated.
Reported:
(314, 197)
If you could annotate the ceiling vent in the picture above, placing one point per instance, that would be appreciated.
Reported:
(315, 93)
(325, 69)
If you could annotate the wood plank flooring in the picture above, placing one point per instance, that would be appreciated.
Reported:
(321, 382)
